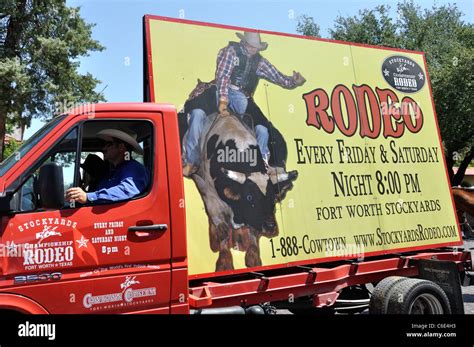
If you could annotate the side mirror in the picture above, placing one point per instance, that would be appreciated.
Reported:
(5, 202)
(51, 188)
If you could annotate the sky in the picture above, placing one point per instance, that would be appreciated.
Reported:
(119, 28)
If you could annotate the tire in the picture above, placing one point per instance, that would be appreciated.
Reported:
(381, 294)
(415, 296)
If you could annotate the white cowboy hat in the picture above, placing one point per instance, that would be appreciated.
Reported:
(253, 39)
(131, 139)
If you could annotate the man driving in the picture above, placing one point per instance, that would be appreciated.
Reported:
(126, 178)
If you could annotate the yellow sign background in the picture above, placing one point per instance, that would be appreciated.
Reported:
(183, 52)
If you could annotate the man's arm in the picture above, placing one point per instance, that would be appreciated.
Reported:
(269, 72)
(133, 182)
(225, 66)
(126, 189)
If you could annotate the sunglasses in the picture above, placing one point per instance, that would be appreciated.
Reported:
(109, 143)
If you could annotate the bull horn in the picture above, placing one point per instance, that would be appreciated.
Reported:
(235, 176)
(292, 175)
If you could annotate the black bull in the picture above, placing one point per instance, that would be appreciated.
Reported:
(239, 195)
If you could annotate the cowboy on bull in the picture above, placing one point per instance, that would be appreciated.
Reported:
(239, 68)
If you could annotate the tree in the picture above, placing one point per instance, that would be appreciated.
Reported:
(40, 43)
(453, 90)
(11, 147)
(307, 26)
(374, 27)
(448, 44)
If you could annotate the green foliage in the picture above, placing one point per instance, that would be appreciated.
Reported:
(307, 26)
(448, 46)
(11, 148)
(453, 92)
(40, 46)
(373, 27)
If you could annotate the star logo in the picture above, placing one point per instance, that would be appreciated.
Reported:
(386, 72)
(82, 242)
(420, 76)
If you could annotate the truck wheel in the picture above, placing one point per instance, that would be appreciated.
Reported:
(415, 296)
(381, 294)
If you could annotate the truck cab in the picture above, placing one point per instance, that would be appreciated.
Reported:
(63, 257)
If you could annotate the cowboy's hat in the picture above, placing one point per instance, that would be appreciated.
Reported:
(131, 139)
(253, 39)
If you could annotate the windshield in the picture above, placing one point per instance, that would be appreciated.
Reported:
(29, 144)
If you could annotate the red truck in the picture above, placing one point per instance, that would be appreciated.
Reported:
(133, 256)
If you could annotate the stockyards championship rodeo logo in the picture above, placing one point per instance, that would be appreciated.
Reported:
(47, 243)
(296, 149)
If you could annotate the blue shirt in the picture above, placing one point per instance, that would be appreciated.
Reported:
(123, 182)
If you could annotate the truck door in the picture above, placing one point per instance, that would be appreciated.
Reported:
(102, 256)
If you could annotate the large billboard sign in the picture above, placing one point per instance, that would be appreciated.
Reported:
(299, 150)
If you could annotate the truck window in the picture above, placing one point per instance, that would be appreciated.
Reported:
(29, 144)
(64, 154)
(95, 168)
